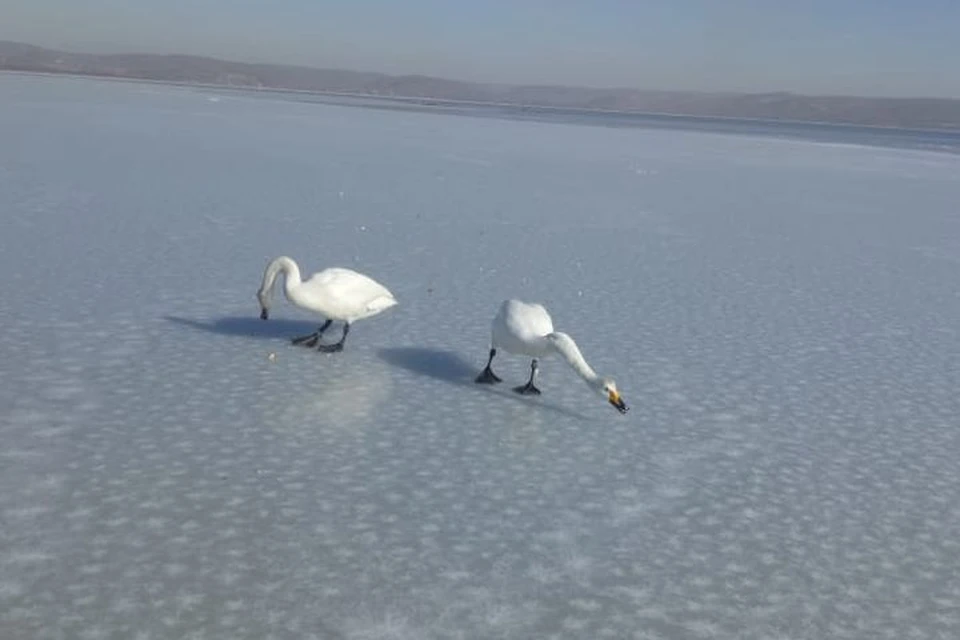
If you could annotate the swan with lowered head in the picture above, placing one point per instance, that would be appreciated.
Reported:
(335, 293)
(527, 329)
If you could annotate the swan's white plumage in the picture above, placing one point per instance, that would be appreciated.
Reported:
(526, 328)
(522, 328)
(336, 293)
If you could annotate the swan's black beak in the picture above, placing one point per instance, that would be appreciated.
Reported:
(263, 314)
(618, 402)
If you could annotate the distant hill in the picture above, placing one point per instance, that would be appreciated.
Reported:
(920, 113)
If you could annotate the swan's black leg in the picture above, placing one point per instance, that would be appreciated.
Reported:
(529, 388)
(324, 327)
(333, 348)
(312, 339)
(487, 376)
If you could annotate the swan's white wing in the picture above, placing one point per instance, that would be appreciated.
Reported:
(527, 319)
(520, 327)
(348, 294)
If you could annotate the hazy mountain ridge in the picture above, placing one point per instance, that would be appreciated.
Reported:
(895, 112)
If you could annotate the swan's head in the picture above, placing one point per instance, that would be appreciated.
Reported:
(608, 389)
(264, 298)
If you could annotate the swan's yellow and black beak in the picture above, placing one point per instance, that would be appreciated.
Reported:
(617, 402)
(263, 313)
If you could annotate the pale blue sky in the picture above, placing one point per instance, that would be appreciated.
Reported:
(865, 47)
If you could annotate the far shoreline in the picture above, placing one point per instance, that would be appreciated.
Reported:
(791, 128)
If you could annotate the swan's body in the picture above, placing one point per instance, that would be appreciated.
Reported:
(527, 329)
(522, 328)
(336, 293)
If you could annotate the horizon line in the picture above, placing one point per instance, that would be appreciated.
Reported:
(475, 83)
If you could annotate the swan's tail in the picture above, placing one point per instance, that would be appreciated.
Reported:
(380, 303)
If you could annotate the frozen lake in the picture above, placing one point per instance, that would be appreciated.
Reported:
(781, 316)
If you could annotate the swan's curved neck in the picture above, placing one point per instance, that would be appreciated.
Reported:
(285, 265)
(566, 347)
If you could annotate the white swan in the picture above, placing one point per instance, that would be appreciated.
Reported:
(335, 293)
(527, 329)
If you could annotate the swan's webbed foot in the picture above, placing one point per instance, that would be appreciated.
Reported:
(312, 339)
(307, 341)
(530, 388)
(338, 346)
(487, 376)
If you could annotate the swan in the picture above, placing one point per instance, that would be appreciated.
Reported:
(527, 329)
(335, 293)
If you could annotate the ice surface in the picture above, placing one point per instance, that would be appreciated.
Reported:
(781, 316)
